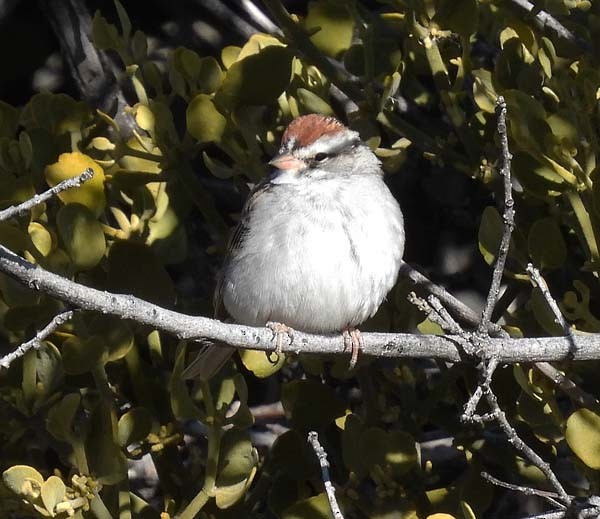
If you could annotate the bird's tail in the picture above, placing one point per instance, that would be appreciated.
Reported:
(210, 359)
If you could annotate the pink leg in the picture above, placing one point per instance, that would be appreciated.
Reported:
(280, 331)
(353, 340)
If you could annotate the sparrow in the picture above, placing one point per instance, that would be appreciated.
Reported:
(318, 245)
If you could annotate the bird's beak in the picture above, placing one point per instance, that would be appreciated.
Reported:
(287, 162)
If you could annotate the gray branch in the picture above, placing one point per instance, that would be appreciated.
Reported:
(509, 218)
(36, 342)
(18, 210)
(195, 328)
(544, 19)
(90, 68)
(313, 439)
(540, 282)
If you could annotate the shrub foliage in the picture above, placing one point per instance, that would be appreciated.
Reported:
(422, 78)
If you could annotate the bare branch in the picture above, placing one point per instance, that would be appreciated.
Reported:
(515, 440)
(36, 341)
(550, 496)
(388, 345)
(259, 18)
(18, 210)
(313, 439)
(544, 19)
(297, 36)
(90, 68)
(226, 15)
(509, 218)
(572, 390)
(456, 308)
(540, 282)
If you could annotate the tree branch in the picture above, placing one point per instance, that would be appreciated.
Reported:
(313, 439)
(388, 345)
(18, 210)
(36, 341)
(90, 68)
(509, 218)
(544, 19)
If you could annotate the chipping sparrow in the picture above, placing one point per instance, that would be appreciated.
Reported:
(319, 242)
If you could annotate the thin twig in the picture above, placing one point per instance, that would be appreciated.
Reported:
(456, 308)
(544, 19)
(227, 16)
(297, 37)
(509, 218)
(528, 491)
(572, 390)
(577, 394)
(36, 341)
(313, 439)
(516, 441)
(92, 71)
(259, 18)
(18, 210)
(540, 282)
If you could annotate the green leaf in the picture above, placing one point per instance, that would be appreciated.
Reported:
(312, 103)
(115, 333)
(536, 178)
(50, 372)
(229, 55)
(53, 492)
(61, 416)
(583, 436)
(210, 76)
(237, 466)
(293, 456)
(23, 480)
(245, 80)
(203, 120)
(395, 450)
(82, 355)
(82, 235)
(134, 426)
(9, 120)
(316, 507)
(104, 34)
(262, 364)
(123, 19)
(312, 405)
(89, 194)
(460, 16)
(106, 461)
(182, 405)
(336, 26)
(546, 244)
(490, 234)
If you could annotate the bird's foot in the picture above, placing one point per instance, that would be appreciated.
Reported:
(280, 331)
(352, 340)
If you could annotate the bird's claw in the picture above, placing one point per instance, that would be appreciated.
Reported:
(352, 340)
(280, 331)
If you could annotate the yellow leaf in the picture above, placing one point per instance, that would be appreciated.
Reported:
(91, 193)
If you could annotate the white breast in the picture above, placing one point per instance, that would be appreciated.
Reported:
(317, 258)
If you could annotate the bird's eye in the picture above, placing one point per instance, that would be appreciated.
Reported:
(320, 157)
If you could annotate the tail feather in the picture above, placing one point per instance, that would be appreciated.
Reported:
(208, 362)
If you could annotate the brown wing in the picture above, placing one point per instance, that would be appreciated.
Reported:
(211, 357)
(235, 243)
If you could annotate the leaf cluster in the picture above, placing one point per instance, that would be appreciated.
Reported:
(101, 394)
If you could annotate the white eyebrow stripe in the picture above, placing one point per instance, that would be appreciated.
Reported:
(329, 144)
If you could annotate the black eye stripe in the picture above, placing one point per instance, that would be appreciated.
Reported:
(319, 157)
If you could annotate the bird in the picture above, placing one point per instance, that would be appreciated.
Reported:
(319, 242)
